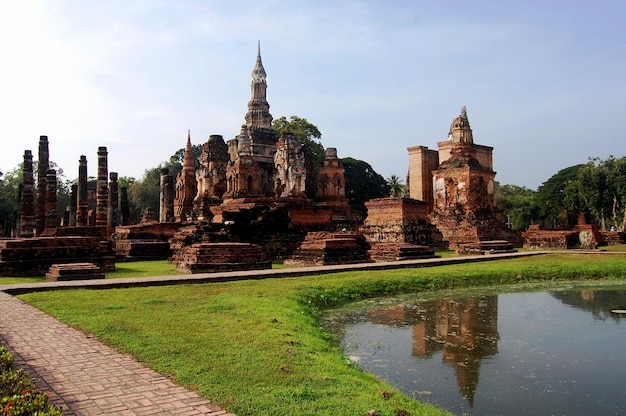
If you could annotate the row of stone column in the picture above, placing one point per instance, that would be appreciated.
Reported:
(35, 218)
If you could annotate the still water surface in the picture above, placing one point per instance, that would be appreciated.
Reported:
(539, 353)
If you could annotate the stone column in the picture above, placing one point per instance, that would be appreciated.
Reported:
(82, 211)
(166, 200)
(26, 210)
(73, 206)
(102, 190)
(51, 200)
(124, 208)
(113, 200)
(42, 169)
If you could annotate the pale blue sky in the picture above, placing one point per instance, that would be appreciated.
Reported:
(544, 82)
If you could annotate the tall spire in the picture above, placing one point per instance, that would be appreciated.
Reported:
(258, 73)
(186, 186)
(258, 115)
(188, 161)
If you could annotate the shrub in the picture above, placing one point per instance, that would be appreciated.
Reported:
(19, 395)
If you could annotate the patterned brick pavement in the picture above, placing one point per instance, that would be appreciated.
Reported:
(85, 377)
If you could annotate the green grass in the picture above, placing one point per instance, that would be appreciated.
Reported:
(259, 347)
(142, 269)
(17, 280)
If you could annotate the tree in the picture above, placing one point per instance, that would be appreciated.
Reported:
(144, 193)
(362, 184)
(125, 181)
(518, 205)
(551, 195)
(616, 182)
(599, 190)
(9, 186)
(396, 187)
(310, 136)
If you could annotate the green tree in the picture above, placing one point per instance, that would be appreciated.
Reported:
(9, 186)
(310, 136)
(362, 184)
(616, 182)
(144, 193)
(396, 187)
(599, 190)
(518, 205)
(125, 181)
(551, 196)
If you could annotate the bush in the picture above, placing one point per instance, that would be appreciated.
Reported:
(19, 395)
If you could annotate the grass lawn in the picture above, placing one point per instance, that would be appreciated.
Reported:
(258, 347)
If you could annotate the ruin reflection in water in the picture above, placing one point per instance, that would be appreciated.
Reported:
(521, 353)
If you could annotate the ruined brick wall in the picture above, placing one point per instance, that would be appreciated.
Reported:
(34, 256)
(398, 220)
(535, 237)
(463, 190)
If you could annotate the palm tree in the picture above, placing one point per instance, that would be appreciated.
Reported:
(396, 188)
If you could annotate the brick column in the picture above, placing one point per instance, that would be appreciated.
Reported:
(102, 189)
(166, 197)
(42, 169)
(26, 210)
(51, 200)
(82, 206)
(73, 206)
(113, 201)
(124, 208)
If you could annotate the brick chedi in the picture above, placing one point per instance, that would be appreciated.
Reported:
(251, 171)
(462, 188)
(261, 167)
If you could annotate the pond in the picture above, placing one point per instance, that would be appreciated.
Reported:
(538, 353)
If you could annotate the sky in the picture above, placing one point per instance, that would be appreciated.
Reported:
(544, 82)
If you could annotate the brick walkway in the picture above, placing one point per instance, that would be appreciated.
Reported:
(84, 376)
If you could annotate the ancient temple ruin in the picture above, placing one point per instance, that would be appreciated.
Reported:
(258, 166)
(45, 238)
(251, 189)
(457, 182)
(450, 201)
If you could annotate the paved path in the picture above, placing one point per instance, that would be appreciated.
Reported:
(85, 377)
